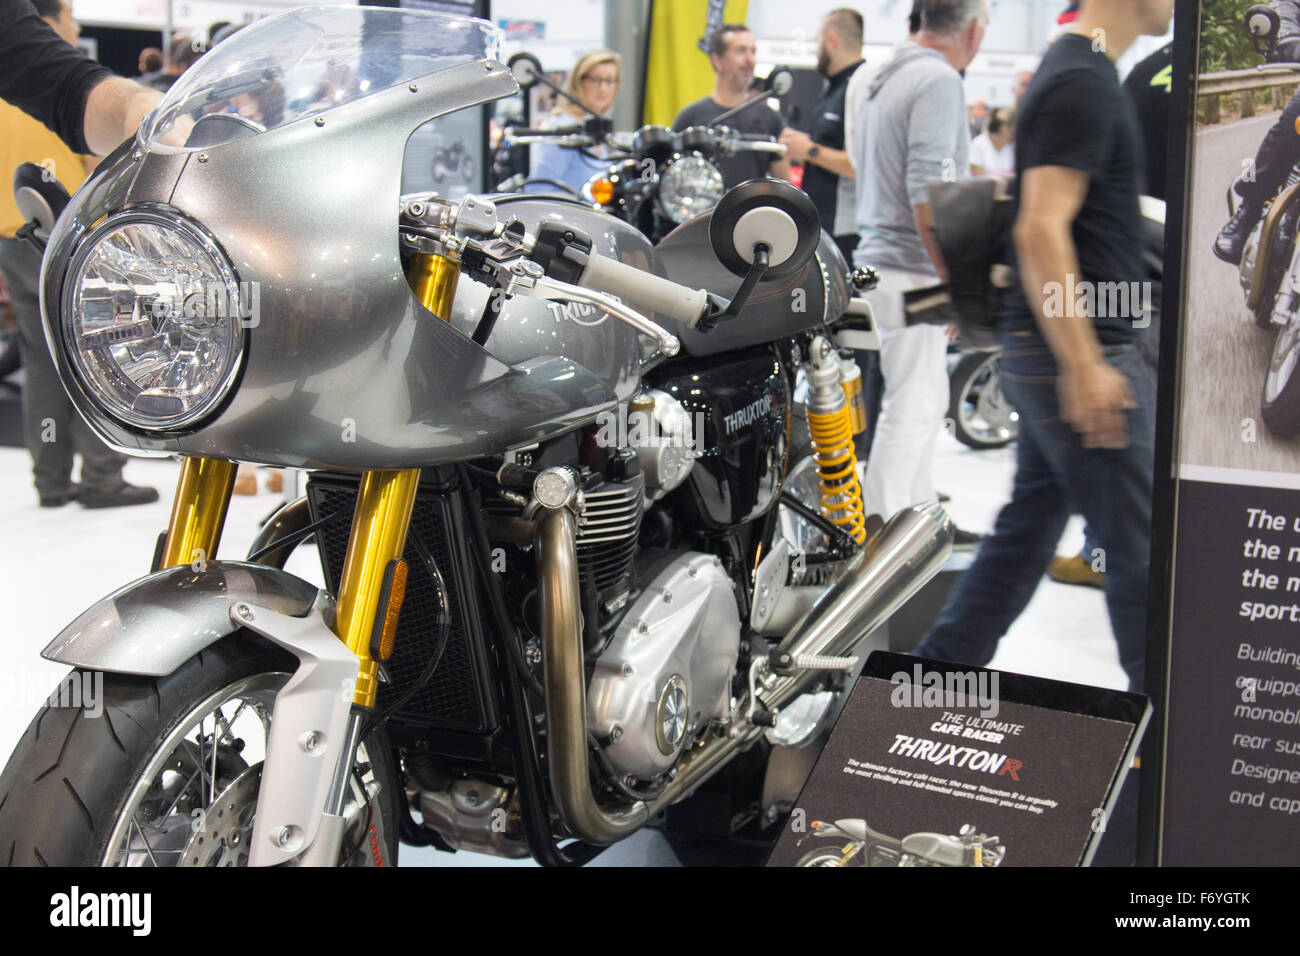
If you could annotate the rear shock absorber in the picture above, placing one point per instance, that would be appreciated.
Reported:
(830, 424)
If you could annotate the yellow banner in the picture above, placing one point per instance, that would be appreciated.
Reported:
(678, 71)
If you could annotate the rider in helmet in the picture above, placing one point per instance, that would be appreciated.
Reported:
(1276, 154)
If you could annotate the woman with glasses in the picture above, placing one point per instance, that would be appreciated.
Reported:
(594, 81)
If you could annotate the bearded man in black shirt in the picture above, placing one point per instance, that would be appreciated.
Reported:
(1070, 363)
(732, 52)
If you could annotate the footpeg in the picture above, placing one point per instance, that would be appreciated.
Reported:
(784, 664)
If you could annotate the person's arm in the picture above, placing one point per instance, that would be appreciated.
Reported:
(798, 146)
(114, 110)
(43, 75)
(935, 124)
(1093, 395)
(780, 169)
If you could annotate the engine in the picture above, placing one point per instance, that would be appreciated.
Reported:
(666, 672)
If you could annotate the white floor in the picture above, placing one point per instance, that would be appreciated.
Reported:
(55, 562)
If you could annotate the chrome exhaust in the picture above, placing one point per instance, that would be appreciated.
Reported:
(897, 563)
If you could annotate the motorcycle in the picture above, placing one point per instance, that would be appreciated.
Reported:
(863, 846)
(657, 178)
(981, 416)
(545, 465)
(453, 160)
(1269, 272)
(10, 360)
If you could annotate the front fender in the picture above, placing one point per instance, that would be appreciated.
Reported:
(156, 623)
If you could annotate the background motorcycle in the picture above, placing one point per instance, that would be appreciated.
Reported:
(863, 846)
(657, 178)
(1269, 272)
(543, 620)
(453, 160)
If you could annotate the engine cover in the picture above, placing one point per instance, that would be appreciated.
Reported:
(668, 668)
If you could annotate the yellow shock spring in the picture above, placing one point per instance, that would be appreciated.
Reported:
(832, 441)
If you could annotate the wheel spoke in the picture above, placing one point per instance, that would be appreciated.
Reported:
(148, 849)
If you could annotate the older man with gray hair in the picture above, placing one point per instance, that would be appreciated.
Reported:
(910, 130)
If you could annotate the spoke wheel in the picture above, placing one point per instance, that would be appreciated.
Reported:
(981, 415)
(165, 772)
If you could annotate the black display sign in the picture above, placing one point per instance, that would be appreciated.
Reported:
(936, 764)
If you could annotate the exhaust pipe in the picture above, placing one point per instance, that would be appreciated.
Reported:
(897, 563)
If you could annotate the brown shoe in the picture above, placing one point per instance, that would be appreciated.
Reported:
(1075, 570)
(246, 481)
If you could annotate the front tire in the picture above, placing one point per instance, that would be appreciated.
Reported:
(1280, 398)
(134, 778)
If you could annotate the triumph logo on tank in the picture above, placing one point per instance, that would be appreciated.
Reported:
(76, 909)
(744, 417)
(579, 312)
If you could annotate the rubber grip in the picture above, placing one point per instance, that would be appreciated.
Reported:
(638, 287)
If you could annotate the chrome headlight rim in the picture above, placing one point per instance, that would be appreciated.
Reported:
(166, 216)
(666, 183)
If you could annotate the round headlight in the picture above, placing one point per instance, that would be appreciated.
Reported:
(152, 320)
(688, 187)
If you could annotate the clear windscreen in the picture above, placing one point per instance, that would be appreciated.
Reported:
(306, 62)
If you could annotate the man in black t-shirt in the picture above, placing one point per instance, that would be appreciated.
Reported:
(731, 50)
(827, 170)
(1069, 361)
(1149, 85)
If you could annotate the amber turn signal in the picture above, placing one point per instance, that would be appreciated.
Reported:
(602, 190)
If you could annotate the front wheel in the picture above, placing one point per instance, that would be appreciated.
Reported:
(165, 771)
(1280, 401)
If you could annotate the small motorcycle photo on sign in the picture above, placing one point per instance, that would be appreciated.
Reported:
(933, 765)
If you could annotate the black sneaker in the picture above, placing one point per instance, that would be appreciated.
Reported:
(963, 540)
(119, 497)
(1230, 243)
(57, 499)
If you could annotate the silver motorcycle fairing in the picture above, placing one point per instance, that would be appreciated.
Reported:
(344, 369)
(156, 623)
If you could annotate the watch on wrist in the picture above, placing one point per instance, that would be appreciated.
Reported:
(813, 150)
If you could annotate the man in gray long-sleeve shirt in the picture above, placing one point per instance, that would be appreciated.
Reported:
(911, 130)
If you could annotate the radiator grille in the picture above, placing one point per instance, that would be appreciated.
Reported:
(455, 698)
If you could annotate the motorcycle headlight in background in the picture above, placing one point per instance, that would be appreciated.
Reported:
(152, 320)
(688, 187)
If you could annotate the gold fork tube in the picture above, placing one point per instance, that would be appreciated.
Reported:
(379, 524)
(198, 511)
(433, 279)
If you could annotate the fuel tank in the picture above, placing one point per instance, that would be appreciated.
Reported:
(817, 294)
(743, 401)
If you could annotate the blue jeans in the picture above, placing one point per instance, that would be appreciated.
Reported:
(1056, 475)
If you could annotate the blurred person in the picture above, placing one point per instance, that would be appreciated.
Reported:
(731, 52)
(181, 55)
(88, 107)
(593, 80)
(828, 173)
(52, 429)
(977, 116)
(909, 131)
(993, 152)
(1022, 84)
(151, 61)
(1085, 394)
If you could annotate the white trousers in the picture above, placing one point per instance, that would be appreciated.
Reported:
(913, 362)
